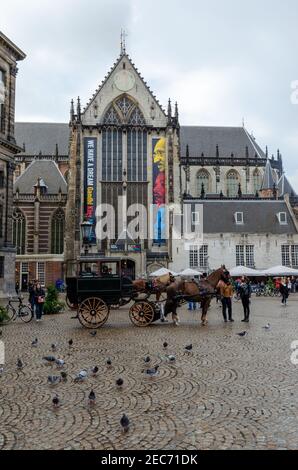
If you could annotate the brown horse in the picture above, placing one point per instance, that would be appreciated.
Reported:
(201, 291)
(155, 286)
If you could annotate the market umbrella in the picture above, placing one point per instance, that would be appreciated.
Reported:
(280, 271)
(190, 272)
(162, 272)
(244, 271)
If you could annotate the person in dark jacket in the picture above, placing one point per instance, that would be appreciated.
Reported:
(39, 298)
(284, 290)
(245, 294)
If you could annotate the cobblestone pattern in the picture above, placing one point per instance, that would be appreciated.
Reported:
(230, 393)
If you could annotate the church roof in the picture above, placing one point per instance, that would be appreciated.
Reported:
(42, 137)
(204, 139)
(285, 187)
(259, 216)
(268, 178)
(47, 170)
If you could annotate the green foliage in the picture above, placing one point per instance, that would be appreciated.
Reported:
(270, 283)
(3, 314)
(52, 303)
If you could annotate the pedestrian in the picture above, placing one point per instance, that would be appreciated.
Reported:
(39, 298)
(192, 305)
(284, 292)
(226, 291)
(245, 294)
(31, 298)
(17, 287)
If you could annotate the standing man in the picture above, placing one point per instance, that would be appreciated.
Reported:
(245, 294)
(284, 291)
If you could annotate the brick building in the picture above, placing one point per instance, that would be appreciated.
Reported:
(40, 194)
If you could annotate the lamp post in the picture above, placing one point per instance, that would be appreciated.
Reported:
(86, 231)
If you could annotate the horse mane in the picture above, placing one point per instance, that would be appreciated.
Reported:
(214, 277)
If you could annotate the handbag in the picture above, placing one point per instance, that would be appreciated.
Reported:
(40, 299)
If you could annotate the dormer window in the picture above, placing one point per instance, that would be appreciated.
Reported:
(282, 218)
(239, 218)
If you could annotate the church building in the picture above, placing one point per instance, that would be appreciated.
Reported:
(124, 153)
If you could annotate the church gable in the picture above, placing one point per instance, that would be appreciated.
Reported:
(124, 96)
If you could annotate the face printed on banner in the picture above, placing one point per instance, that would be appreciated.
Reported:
(159, 186)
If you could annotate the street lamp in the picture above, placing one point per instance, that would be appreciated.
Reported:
(86, 231)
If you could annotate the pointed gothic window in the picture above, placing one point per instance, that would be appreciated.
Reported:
(112, 117)
(232, 183)
(257, 180)
(203, 177)
(57, 239)
(137, 118)
(125, 105)
(19, 231)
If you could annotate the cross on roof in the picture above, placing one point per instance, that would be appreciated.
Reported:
(123, 37)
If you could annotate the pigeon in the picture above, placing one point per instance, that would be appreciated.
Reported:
(188, 348)
(152, 372)
(70, 343)
(109, 362)
(34, 343)
(119, 383)
(165, 345)
(242, 334)
(147, 359)
(60, 363)
(124, 421)
(19, 364)
(54, 347)
(56, 401)
(93, 333)
(1, 371)
(64, 376)
(82, 375)
(91, 398)
(267, 327)
(171, 358)
(94, 371)
(54, 379)
(49, 359)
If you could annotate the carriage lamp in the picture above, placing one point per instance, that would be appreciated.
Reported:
(86, 231)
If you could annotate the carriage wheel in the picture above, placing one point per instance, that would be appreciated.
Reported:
(142, 313)
(93, 312)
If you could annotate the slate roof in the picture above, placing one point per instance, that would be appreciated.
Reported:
(204, 139)
(47, 170)
(285, 187)
(201, 139)
(42, 137)
(259, 216)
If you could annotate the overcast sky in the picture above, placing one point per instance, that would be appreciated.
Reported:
(222, 60)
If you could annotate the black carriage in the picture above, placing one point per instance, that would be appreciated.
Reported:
(101, 284)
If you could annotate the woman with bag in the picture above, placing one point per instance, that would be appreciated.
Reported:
(39, 296)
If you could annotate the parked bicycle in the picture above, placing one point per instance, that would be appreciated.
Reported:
(22, 311)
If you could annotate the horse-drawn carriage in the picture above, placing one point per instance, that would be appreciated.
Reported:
(101, 284)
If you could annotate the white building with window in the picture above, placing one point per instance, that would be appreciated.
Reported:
(254, 233)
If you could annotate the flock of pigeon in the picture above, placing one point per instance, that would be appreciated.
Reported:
(54, 380)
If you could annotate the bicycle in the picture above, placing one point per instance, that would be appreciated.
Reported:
(22, 311)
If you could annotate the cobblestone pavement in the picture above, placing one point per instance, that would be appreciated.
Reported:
(230, 393)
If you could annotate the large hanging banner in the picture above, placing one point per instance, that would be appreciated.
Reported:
(90, 157)
(159, 189)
